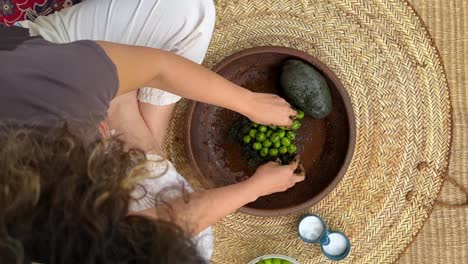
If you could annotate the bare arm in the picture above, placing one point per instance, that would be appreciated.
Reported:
(140, 66)
(203, 209)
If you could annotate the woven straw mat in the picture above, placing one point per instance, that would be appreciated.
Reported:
(444, 237)
(381, 52)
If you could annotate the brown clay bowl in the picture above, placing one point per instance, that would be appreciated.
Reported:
(326, 145)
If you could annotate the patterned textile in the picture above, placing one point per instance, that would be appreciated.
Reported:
(12, 11)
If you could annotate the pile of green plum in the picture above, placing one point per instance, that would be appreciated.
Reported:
(272, 142)
(274, 261)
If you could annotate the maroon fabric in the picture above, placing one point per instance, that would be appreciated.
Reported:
(12, 11)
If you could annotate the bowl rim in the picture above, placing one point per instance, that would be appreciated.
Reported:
(349, 113)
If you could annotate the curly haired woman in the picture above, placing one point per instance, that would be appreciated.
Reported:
(72, 195)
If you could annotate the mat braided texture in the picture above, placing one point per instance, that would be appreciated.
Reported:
(391, 70)
(444, 237)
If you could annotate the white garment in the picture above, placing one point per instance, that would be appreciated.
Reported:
(166, 184)
(184, 27)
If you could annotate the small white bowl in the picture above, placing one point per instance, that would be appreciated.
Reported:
(282, 257)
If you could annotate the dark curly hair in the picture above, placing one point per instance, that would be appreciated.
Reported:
(65, 201)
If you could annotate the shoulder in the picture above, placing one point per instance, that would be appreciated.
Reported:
(39, 78)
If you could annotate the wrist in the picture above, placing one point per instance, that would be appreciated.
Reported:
(252, 192)
(244, 102)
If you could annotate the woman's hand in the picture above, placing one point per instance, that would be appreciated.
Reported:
(273, 177)
(267, 109)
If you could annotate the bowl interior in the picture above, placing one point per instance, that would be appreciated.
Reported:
(324, 145)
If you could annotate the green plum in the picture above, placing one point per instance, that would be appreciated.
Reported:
(282, 133)
(296, 125)
(285, 141)
(292, 149)
(260, 137)
(273, 152)
(252, 133)
(291, 135)
(275, 137)
(267, 143)
(269, 133)
(300, 114)
(276, 261)
(264, 152)
(283, 150)
(257, 146)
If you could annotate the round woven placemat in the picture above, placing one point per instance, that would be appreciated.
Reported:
(387, 62)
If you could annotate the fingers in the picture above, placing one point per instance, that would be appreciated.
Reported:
(285, 113)
(273, 163)
(292, 112)
(299, 179)
(291, 115)
(298, 169)
(295, 180)
(281, 101)
(287, 122)
(299, 174)
(295, 163)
